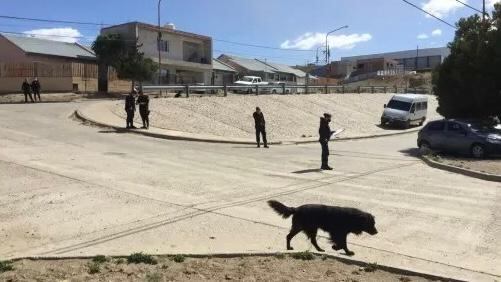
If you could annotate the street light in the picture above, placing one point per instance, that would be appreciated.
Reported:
(158, 46)
(327, 50)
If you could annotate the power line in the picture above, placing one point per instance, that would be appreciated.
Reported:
(51, 21)
(261, 46)
(428, 13)
(105, 24)
(469, 6)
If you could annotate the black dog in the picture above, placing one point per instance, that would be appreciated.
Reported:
(337, 221)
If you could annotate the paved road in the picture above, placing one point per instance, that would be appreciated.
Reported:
(69, 189)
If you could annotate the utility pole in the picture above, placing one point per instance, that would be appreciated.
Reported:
(159, 39)
(327, 49)
(483, 12)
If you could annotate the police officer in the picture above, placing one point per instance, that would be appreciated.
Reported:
(36, 87)
(144, 103)
(130, 108)
(27, 91)
(260, 125)
(325, 135)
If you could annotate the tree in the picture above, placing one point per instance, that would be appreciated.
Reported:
(133, 66)
(468, 83)
(109, 50)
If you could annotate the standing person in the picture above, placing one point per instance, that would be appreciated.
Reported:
(325, 135)
(130, 108)
(27, 91)
(144, 108)
(35, 86)
(260, 125)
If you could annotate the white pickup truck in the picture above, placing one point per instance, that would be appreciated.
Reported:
(250, 81)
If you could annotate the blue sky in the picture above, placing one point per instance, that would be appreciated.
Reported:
(374, 25)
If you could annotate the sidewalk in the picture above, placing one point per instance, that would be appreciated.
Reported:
(101, 114)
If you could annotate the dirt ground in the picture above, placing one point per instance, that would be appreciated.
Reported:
(491, 166)
(278, 268)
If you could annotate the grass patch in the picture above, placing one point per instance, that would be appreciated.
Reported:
(99, 259)
(179, 258)
(153, 277)
(280, 256)
(6, 266)
(94, 268)
(371, 267)
(303, 256)
(141, 258)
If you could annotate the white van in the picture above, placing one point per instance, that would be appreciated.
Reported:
(405, 109)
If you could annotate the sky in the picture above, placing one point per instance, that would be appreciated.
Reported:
(296, 27)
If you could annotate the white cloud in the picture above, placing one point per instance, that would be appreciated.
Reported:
(422, 36)
(442, 8)
(436, 32)
(490, 3)
(65, 34)
(310, 40)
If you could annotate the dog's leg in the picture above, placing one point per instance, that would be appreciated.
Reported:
(294, 231)
(312, 234)
(344, 245)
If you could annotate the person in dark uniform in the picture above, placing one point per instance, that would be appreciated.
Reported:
(130, 108)
(27, 91)
(36, 87)
(260, 125)
(325, 135)
(144, 104)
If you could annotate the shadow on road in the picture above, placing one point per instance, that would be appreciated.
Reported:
(307, 171)
(394, 127)
(411, 152)
(113, 131)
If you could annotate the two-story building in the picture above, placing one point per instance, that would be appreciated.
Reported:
(186, 58)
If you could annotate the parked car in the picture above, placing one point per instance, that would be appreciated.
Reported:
(460, 136)
(405, 109)
(278, 89)
(250, 81)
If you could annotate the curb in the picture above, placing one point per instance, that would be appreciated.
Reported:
(82, 117)
(463, 171)
(391, 269)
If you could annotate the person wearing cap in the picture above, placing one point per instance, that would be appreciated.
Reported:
(325, 135)
(260, 125)
(144, 102)
(130, 108)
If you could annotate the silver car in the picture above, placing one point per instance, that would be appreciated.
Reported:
(460, 136)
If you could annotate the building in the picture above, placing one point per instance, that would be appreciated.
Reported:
(222, 73)
(372, 65)
(268, 71)
(186, 58)
(418, 60)
(60, 66)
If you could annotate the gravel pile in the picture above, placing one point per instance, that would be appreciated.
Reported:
(287, 116)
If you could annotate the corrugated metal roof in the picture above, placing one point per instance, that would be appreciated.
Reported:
(50, 47)
(287, 69)
(426, 52)
(218, 65)
(251, 64)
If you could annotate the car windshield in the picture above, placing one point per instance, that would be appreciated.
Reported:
(399, 105)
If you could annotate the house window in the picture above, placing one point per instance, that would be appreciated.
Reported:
(163, 46)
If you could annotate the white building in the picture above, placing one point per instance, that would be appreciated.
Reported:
(186, 58)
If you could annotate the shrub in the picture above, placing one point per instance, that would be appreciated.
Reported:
(6, 266)
(94, 268)
(178, 258)
(303, 256)
(99, 259)
(141, 258)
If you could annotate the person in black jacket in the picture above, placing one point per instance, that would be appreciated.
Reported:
(325, 135)
(144, 103)
(130, 108)
(260, 125)
(36, 87)
(27, 91)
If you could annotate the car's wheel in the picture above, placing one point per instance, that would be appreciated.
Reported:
(383, 122)
(274, 91)
(407, 124)
(424, 147)
(287, 91)
(478, 151)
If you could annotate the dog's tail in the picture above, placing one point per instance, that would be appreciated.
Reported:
(281, 209)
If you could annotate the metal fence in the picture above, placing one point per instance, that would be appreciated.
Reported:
(281, 89)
